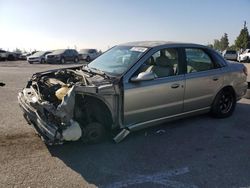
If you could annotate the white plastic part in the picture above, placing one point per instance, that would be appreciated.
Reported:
(73, 132)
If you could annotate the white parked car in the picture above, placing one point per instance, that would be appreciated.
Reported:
(38, 57)
(230, 55)
(88, 54)
(245, 56)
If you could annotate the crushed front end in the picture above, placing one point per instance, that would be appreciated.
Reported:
(67, 104)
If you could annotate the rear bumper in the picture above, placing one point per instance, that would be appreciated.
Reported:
(48, 131)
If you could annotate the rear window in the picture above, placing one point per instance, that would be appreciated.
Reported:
(231, 52)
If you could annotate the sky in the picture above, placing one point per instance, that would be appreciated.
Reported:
(57, 24)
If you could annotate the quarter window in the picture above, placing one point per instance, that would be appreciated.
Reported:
(198, 60)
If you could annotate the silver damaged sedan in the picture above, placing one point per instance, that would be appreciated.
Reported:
(130, 87)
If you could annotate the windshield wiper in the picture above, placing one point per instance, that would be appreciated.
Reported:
(96, 71)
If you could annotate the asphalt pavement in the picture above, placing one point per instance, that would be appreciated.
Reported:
(196, 152)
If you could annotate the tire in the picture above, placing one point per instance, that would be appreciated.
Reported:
(76, 60)
(42, 61)
(62, 61)
(224, 104)
(88, 59)
(94, 133)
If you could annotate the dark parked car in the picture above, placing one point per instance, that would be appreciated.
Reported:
(10, 56)
(62, 56)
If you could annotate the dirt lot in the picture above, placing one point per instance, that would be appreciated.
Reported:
(195, 152)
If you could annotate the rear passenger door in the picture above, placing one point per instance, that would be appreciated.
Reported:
(203, 79)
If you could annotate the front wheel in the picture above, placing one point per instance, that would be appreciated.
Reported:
(88, 59)
(224, 104)
(94, 133)
(62, 61)
(42, 61)
(76, 59)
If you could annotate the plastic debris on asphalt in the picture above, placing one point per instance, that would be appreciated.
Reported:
(161, 131)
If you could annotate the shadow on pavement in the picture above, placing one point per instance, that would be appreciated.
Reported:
(141, 152)
(178, 144)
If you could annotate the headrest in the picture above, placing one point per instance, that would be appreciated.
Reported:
(163, 61)
(150, 61)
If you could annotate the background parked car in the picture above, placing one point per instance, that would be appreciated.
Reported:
(245, 56)
(38, 57)
(88, 54)
(230, 55)
(5, 55)
(62, 56)
(24, 56)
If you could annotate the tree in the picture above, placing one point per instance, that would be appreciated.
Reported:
(224, 42)
(243, 40)
(17, 50)
(232, 47)
(217, 44)
(210, 46)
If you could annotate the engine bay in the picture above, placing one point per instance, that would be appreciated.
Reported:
(52, 87)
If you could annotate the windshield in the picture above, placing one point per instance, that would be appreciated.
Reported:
(231, 52)
(39, 53)
(118, 60)
(84, 50)
(58, 51)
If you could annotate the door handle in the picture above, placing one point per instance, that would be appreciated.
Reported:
(215, 78)
(175, 86)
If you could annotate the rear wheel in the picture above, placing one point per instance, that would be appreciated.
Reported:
(224, 104)
(42, 61)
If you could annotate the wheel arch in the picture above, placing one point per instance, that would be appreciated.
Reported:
(97, 109)
(226, 88)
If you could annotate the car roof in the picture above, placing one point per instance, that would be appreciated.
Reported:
(152, 44)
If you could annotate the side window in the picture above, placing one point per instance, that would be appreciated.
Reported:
(74, 52)
(198, 60)
(163, 63)
(66, 52)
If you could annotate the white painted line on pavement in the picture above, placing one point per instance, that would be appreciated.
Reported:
(161, 178)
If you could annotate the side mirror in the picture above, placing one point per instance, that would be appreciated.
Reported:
(143, 76)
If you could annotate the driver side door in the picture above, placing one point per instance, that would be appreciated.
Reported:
(158, 98)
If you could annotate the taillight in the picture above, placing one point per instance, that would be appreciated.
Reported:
(245, 71)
